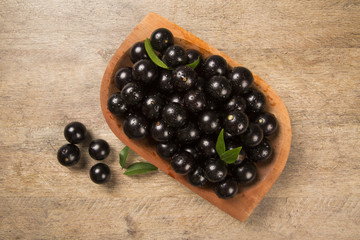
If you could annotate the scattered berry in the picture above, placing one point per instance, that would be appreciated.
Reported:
(68, 155)
(100, 173)
(99, 149)
(75, 132)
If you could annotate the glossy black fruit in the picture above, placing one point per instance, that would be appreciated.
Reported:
(188, 134)
(192, 150)
(68, 155)
(195, 101)
(206, 146)
(176, 98)
(167, 150)
(138, 52)
(175, 56)
(117, 105)
(235, 102)
(209, 122)
(182, 163)
(218, 87)
(267, 122)
(215, 170)
(236, 122)
(145, 71)
(161, 132)
(152, 106)
(184, 78)
(161, 39)
(227, 188)
(245, 172)
(75, 132)
(193, 55)
(229, 136)
(122, 77)
(132, 93)
(214, 65)
(166, 84)
(174, 115)
(99, 149)
(253, 135)
(260, 153)
(255, 100)
(100, 173)
(197, 177)
(241, 79)
(136, 126)
(242, 154)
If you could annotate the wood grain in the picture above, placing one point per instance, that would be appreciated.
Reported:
(52, 58)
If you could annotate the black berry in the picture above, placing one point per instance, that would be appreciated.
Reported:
(227, 188)
(100, 173)
(68, 155)
(145, 71)
(215, 170)
(241, 79)
(255, 100)
(99, 149)
(184, 78)
(193, 55)
(161, 39)
(174, 115)
(122, 77)
(117, 105)
(167, 150)
(182, 163)
(197, 177)
(253, 135)
(206, 146)
(195, 101)
(218, 87)
(132, 93)
(214, 65)
(175, 56)
(166, 83)
(267, 122)
(209, 122)
(138, 52)
(152, 106)
(260, 153)
(235, 102)
(245, 172)
(75, 132)
(188, 134)
(136, 126)
(236, 122)
(161, 132)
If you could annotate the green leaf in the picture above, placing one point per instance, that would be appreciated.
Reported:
(220, 143)
(194, 64)
(230, 156)
(139, 168)
(123, 156)
(153, 56)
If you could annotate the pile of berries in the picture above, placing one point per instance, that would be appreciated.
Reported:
(183, 111)
(69, 154)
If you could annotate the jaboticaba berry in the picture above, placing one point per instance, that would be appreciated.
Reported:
(181, 107)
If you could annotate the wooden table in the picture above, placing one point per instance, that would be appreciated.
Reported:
(52, 58)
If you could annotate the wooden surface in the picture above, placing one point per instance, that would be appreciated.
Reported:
(52, 58)
(242, 205)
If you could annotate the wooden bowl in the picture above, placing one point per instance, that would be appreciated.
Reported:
(241, 206)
